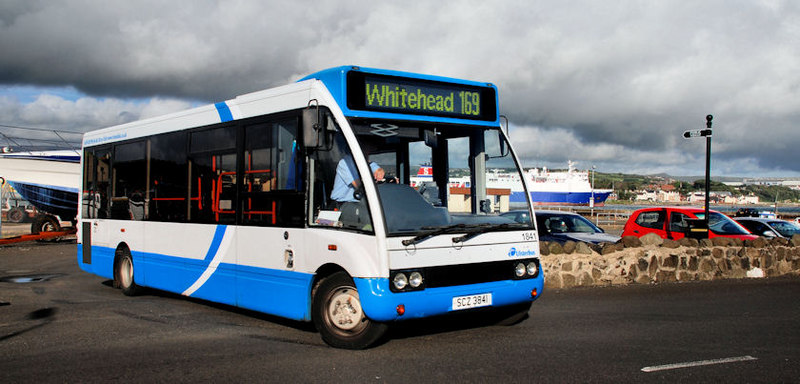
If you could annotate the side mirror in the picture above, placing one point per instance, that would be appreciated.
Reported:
(486, 206)
(431, 139)
(769, 234)
(314, 126)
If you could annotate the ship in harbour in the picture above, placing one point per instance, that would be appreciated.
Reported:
(570, 187)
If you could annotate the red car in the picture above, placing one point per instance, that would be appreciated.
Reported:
(673, 223)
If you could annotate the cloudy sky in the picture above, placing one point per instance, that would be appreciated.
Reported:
(611, 84)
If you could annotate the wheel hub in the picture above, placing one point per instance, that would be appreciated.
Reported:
(126, 273)
(344, 310)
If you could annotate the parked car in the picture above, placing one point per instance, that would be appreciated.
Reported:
(769, 227)
(674, 223)
(752, 212)
(561, 227)
(520, 216)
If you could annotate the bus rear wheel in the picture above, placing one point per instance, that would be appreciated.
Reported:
(338, 315)
(123, 274)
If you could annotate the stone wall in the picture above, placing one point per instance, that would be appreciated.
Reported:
(651, 259)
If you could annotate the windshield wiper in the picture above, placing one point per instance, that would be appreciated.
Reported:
(483, 228)
(435, 231)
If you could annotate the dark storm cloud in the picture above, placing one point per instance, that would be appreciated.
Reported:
(201, 50)
(611, 84)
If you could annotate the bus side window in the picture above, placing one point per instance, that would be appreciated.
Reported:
(129, 179)
(272, 191)
(168, 186)
(96, 186)
(212, 175)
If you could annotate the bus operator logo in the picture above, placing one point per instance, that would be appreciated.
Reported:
(513, 252)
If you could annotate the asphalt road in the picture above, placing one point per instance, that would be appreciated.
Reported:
(59, 324)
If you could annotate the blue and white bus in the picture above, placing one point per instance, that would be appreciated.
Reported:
(301, 201)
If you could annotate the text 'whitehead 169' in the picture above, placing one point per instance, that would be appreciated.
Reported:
(420, 97)
(388, 95)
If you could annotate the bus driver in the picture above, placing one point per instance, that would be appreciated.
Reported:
(347, 182)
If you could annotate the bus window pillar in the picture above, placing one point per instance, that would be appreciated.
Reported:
(477, 162)
(441, 169)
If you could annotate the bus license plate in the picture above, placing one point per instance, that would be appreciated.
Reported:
(472, 301)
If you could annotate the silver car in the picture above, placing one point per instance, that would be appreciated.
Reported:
(769, 227)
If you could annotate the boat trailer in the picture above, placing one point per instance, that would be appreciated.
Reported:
(39, 236)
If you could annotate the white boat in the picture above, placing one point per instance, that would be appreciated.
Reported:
(49, 179)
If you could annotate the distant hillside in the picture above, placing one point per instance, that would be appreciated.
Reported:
(625, 185)
(721, 179)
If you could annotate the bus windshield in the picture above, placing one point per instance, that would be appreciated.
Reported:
(441, 176)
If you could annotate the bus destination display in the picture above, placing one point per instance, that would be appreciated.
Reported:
(400, 95)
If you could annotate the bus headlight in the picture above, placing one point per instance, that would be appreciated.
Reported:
(532, 268)
(406, 280)
(519, 270)
(400, 281)
(415, 280)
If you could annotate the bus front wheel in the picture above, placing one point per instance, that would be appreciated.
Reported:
(123, 274)
(338, 315)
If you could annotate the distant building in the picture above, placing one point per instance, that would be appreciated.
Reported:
(696, 197)
(669, 196)
(793, 184)
(751, 199)
(767, 182)
(460, 201)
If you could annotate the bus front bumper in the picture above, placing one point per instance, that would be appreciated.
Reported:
(381, 304)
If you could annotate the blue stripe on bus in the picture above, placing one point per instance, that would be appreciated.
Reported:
(219, 233)
(224, 111)
(276, 292)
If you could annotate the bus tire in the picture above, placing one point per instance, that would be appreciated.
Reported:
(338, 316)
(123, 274)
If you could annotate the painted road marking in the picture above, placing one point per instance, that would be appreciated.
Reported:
(698, 363)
